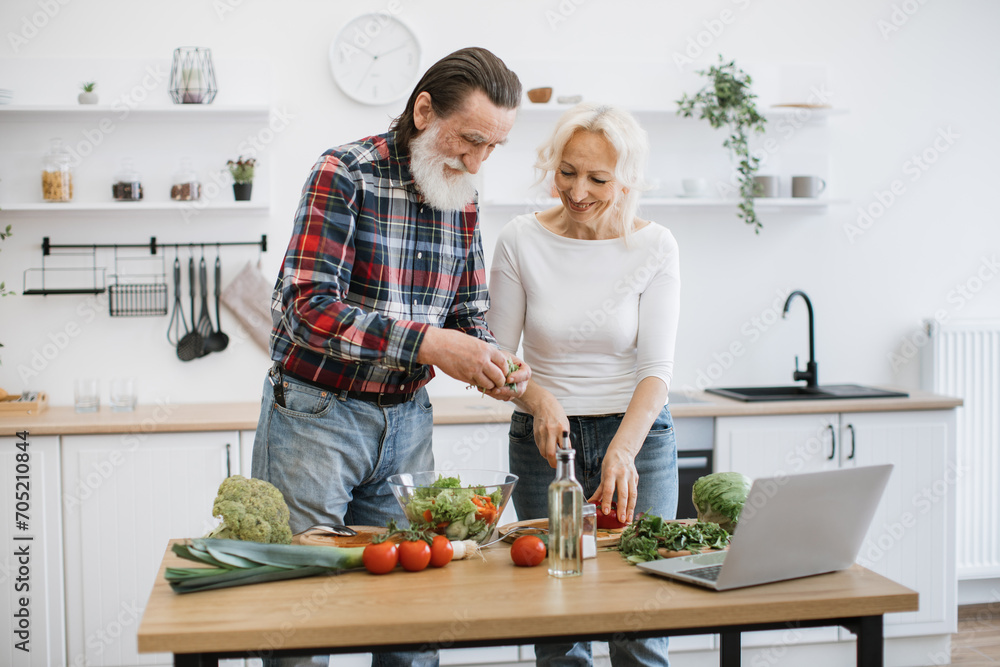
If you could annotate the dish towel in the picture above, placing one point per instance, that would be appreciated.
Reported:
(248, 298)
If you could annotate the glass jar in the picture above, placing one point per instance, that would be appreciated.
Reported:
(127, 185)
(186, 185)
(57, 174)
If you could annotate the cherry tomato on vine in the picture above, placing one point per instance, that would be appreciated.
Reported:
(381, 557)
(441, 551)
(414, 555)
(527, 551)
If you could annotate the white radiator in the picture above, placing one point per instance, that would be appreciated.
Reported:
(963, 359)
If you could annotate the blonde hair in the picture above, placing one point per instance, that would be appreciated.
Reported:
(629, 141)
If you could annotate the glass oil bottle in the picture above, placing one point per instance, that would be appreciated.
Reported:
(565, 516)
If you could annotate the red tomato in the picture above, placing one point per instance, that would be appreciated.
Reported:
(380, 558)
(608, 521)
(414, 555)
(441, 551)
(527, 551)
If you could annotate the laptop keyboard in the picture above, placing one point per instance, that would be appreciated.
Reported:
(709, 573)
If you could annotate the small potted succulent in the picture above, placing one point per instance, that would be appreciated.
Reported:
(242, 173)
(88, 96)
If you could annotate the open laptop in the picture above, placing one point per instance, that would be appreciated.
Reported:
(791, 526)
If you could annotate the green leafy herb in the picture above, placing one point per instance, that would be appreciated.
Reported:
(641, 540)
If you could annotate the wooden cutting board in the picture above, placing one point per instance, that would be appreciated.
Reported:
(320, 539)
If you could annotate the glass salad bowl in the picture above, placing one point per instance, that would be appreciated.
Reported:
(461, 504)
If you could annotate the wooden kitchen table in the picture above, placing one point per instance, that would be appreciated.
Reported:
(491, 602)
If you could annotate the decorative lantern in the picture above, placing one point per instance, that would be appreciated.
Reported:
(192, 78)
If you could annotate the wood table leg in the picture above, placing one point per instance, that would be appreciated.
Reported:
(729, 648)
(870, 641)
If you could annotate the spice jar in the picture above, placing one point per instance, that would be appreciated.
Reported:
(127, 185)
(186, 185)
(57, 176)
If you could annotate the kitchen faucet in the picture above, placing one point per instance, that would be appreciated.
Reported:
(810, 374)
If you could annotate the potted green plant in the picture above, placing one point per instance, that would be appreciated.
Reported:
(727, 101)
(242, 173)
(88, 96)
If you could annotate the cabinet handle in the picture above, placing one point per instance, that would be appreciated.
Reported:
(228, 463)
(850, 427)
(833, 442)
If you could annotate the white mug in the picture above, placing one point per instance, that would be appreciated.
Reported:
(765, 186)
(695, 187)
(807, 186)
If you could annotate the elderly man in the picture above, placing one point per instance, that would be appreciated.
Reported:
(383, 280)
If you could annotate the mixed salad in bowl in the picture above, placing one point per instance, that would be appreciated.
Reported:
(462, 505)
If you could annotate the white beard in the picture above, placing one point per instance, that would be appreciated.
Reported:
(442, 191)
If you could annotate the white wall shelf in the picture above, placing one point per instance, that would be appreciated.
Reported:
(806, 114)
(119, 112)
(799, 204)
(140, 206)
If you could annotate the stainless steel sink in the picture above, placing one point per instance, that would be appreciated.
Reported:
(804, 393)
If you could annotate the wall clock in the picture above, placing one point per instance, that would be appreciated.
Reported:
(375, 59)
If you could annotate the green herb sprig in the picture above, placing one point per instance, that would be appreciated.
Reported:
(642, 539)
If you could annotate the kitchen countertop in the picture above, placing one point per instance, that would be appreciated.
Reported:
(167, 417)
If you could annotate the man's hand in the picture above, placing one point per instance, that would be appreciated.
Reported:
(518, 378)
(465, 358)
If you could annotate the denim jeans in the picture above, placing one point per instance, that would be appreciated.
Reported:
(656, 464)
(331, 456)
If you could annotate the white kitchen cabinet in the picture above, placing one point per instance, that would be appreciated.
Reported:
(41, 582)
(911, 537)
(124, 497)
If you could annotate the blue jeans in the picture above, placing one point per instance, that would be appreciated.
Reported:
(656, 464)
(331, 456)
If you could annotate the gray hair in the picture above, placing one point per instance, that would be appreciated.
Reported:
(626, 136)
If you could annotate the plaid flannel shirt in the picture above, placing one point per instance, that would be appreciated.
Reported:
(368, 268)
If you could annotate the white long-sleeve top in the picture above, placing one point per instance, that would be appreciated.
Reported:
(597, 316)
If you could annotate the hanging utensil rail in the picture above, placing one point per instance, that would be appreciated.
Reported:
(98, 285)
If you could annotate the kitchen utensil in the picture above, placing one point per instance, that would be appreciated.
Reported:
(177, 319)
(605, 538)
(486, 482)
(204, 326)
(191, 345)
(217, 340)
(322, 539)
(503, 538)
(332, 529)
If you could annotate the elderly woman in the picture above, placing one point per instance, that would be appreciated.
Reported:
(595, 292)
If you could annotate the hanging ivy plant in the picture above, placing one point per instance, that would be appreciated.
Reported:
(727, 101)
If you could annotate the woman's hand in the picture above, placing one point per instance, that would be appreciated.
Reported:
(618, 473)
(550, 423)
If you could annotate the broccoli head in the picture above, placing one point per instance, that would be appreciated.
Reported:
(251, 509)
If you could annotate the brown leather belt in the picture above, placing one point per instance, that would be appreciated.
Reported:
(379, 399)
